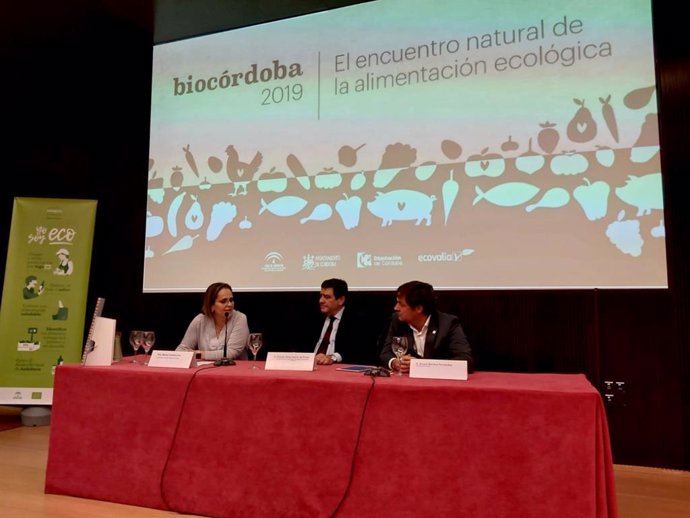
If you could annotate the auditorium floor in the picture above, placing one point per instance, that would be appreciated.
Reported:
(642, 492)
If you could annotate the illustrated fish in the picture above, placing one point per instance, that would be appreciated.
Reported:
(508, 194)
(553, 199)
(284, 206)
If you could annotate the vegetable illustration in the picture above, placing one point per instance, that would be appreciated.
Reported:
(190, 160)
(449, 191)
(609, 117)
(347, 155)
(605, 156)
(425, 171)
(659, 230)
(176, 178)
(638, 98)
(581, 127)
(548, 137)
(529, 162)
(297, 169)
(510, 144)
(569, 162)
(245, 224)
(184, 243)
(358, 180)
(172, 213)
(398, 156)
(328, 179)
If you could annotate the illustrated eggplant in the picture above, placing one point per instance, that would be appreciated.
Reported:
(449, 192)
(638, 98)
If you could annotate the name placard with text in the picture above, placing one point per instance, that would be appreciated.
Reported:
(438, 369)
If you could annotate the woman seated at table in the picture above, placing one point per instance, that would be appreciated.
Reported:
(217, 324)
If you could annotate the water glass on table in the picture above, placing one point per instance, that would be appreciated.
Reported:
(148, 339)
(136, 340)
(399, 346)
(254, 343)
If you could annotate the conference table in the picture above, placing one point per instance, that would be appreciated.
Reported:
(236, 441)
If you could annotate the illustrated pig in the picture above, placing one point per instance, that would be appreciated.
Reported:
(643, 192)
(402, 205)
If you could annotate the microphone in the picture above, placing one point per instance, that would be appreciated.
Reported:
(377, 372)
(225, 361)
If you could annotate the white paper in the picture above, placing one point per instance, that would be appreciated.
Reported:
(438, 369)
(104, 341)
(172, 359)
(290, 361)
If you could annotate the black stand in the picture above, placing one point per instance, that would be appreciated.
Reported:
(225, 361)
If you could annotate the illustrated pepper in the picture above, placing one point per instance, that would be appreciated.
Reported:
(449, 192)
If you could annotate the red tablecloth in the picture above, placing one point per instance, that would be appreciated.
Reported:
(237, 442)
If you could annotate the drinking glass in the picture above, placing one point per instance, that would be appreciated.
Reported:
(399, 346)
(136, 340)
(148, 339)
(254, 343)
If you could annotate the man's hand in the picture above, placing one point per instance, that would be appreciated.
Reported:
(323, 359)
(403, 364)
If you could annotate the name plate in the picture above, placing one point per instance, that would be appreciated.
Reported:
(172, 359)
(438, 369)
(290, 361)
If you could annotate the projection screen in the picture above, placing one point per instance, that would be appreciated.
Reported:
(470, 144)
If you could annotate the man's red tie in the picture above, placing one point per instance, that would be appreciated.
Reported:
(323, 346)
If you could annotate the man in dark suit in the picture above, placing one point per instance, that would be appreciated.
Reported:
(345, 335)
(430, 333)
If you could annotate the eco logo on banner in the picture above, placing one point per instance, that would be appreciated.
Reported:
(44, 295)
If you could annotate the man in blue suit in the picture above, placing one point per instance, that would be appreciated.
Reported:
(430, 333)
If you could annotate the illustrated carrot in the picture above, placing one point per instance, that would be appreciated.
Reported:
(449, 192)
(609, 117)
(190, 160)
(184, 243)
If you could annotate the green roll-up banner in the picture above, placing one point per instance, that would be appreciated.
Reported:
(44, 295)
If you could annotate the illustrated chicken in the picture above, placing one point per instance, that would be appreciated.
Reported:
(241, 173)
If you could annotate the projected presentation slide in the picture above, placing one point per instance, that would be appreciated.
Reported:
(466, 143)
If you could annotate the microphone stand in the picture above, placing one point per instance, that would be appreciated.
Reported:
(225, 361)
